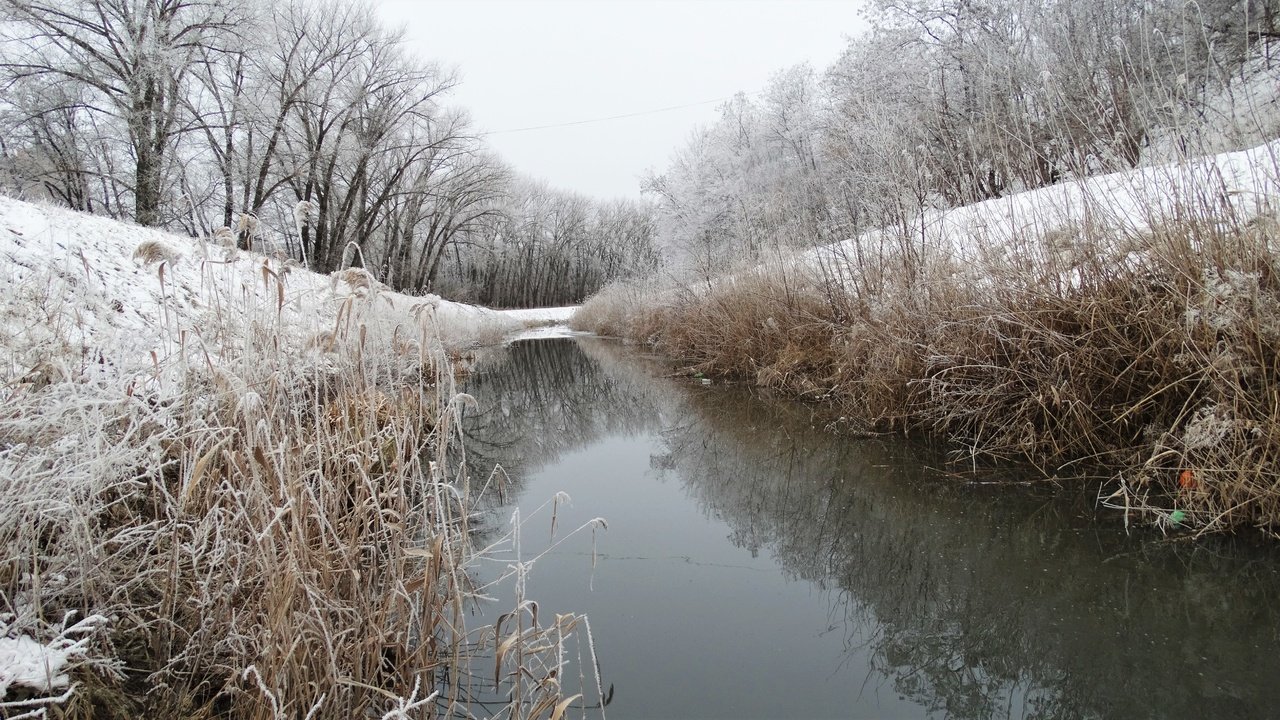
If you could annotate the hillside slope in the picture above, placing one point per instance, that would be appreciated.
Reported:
(205, 451)
(131, 290)
(1123, 325)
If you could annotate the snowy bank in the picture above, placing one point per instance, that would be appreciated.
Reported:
(137, 289)
(215, 450)
(1123, 326)
(1239, 185)
(41, 668)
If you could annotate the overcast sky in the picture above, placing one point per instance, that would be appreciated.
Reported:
(528, 63)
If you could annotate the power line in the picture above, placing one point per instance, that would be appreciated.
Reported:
(611, 117)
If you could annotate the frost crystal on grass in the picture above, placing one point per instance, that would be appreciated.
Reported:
(1223, 294)
(1206, 429)
(123, 384)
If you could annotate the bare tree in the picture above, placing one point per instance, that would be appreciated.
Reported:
(465, 191)
(549, 247)
(135, 56)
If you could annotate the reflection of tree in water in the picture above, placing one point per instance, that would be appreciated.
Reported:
(535, 401)
(980, 602)
(539, 399)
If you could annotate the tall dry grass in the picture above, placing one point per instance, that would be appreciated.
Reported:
(273, 523)
(1142, 349)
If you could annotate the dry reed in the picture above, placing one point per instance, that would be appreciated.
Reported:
(273, 527)
(1145, 354)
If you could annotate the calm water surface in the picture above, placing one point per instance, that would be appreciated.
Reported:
(757, 566)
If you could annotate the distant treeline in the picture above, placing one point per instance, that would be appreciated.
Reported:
(299, 126)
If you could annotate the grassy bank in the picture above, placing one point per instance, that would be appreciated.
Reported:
(1132, 340)
(233, 489)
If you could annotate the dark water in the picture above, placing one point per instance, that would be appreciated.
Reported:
(757, 566)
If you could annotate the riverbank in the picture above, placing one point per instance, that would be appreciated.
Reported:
(227, 486)
(863, 568)
(1125, 326)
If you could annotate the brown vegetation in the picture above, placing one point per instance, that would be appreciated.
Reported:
(1151, 357)
(261, 527)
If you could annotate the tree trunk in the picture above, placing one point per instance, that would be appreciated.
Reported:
(147, 186)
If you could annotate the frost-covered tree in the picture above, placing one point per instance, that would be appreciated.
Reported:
(133, 60)
(459, 190)
(48, 144)
(231, 116)
(942, 103)
(876, 138)
(751, 183)
(544, 246)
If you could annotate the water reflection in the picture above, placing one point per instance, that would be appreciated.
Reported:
(964, 601)
(542, 398)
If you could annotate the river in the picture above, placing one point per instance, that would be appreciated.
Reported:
(757, 565)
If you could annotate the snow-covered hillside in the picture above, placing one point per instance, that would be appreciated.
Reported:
(1241, 112)
(130, 360)
(116, 293)
(1240, 185)
(1129, 319)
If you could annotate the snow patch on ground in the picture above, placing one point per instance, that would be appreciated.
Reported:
(547, 332)
(41, 668)
(543, 323)
(543, 316)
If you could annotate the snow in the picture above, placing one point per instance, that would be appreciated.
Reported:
(548, 332)
(1240, 113)
(137, 291)
(96, 315)
(544, 323)
(1247, 183)
(26, 663)
(547, 316)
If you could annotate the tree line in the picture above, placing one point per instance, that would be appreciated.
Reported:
(304, 127)
(944, 103)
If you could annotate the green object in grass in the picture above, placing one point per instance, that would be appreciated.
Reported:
(1177, 516)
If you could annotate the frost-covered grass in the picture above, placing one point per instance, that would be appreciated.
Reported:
(1125, 327)
(232, 488)
(616, 310)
